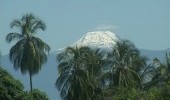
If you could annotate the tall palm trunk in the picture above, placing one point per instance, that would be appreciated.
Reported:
(30, 80)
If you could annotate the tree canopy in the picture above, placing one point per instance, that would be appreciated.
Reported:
(12, 89)
(84, 74)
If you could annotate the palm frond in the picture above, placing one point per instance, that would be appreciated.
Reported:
(168, 61)
(62, 56)
(63, 67)
(41, 44)
(13, 36)
(38, 24)
(16, 23)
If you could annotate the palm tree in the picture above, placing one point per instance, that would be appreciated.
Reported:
(73, 82)
(29, 52)
(138, 63)
(160, 78)
(0, 59)
(123, 69)
(162, 72)
(94, 64)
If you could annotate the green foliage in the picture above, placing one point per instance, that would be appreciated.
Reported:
(126, 56)
(9, 87)
(81, 71)
(73, 82)
(154, 93)
(12, 89)
(122, 75)
(126, 94)
(37, 95)
(28, 53)
(160, 93)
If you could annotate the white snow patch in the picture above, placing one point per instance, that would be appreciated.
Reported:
(99, 39)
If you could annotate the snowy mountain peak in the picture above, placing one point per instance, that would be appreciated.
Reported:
(98, 39)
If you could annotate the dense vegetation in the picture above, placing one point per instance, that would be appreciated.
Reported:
(12, 89)
(123, 74)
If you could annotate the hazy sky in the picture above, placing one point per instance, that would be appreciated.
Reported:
(145, 22)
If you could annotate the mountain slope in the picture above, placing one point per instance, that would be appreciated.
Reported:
(151, 54)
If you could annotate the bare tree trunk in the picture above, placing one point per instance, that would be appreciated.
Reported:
(30, 80)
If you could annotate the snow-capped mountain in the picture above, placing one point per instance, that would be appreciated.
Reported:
(98, 39)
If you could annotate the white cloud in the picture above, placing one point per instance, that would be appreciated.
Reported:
(103, 27)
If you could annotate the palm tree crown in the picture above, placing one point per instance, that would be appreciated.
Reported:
(77, 66)
(124, 69)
